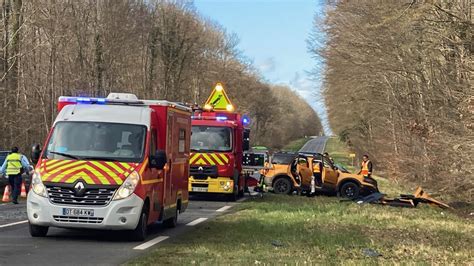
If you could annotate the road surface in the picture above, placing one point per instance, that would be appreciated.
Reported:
(66, 246)
(315, 145)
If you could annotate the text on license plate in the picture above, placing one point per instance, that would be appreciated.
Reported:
(78, 212)
(200, 189)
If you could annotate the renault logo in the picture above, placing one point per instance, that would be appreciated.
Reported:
(200, 169)
(79, 187)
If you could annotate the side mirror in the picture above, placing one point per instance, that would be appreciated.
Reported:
(158, 160)
(35, 153)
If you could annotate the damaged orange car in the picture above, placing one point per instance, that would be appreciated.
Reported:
(310, 172)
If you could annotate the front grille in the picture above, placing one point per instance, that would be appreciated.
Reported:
(202, 172)
(92, 196)
(78, 219)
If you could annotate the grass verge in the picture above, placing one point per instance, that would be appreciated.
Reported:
(299, 230)
(295, 145)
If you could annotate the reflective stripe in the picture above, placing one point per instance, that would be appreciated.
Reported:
(13, 164)
(365, 168)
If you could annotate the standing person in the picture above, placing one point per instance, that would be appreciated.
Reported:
(13, 167)
(366, 166)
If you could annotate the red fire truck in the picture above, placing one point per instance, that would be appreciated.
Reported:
(219, 137)
(115, 163)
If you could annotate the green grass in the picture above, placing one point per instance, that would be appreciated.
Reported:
(295, 145)
(299, 230)
(339, 152)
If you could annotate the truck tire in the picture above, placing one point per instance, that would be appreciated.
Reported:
(173, 221)
(233, 197)
(140, 232)
(349, 190)
(282, 186)
(38, 230)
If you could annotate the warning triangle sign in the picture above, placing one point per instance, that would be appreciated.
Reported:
(218, 99)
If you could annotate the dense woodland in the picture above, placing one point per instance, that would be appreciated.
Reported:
(155, 49)
(399, 86)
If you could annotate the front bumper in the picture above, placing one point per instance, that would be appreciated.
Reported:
(110, 217)
(214, 185)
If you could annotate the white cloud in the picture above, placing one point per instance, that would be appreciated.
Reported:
(267, 66)
(311, 92)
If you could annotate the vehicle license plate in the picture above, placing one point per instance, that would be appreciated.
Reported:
(78, 212)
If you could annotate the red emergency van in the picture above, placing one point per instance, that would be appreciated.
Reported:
(115, 163)
(219, 137)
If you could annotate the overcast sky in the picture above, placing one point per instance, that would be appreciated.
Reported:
(273, 35)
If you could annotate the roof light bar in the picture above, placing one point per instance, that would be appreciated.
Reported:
(82, 100)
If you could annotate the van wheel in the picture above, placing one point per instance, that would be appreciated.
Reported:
(38, 231)
(173, 221)
(140, 232)
(282, 186)
(350, 190)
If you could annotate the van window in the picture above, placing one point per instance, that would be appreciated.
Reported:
(182, 140)
(97, 141)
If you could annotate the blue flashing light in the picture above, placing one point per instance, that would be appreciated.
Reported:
(245, 120)
(221, 118)
(83, 100)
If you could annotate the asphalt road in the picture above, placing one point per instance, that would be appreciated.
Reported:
(89, 247)
(315, 145)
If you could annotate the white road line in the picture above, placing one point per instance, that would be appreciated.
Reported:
(197, 221)
(150, 243)
(15, 223)
(223, 209)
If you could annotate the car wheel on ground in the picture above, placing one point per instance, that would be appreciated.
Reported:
(38, 230)
(140, 232)
(173, 221)
(349, 190)
(282, 186)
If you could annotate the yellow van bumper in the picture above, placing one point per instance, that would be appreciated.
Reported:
(211, 185)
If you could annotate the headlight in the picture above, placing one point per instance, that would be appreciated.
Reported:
(128, 187)
(37, 185)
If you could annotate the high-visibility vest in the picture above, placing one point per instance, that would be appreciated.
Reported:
(365, 168)
(14, 164)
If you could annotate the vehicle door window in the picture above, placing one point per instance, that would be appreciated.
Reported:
(327, 163)
(182, 140)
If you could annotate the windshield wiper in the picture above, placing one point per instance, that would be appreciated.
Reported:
(65, 155)
(100, 159)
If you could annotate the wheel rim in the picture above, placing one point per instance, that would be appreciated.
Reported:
(281, 186)
(349, 191)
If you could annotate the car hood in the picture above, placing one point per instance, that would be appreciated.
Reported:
(91, 172)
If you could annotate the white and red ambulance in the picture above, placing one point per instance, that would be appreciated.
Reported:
(115, 163)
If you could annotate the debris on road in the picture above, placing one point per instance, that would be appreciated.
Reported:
(371, 252)
(277, 243)
(405, 200)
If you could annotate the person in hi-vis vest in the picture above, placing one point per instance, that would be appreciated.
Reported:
(13, 166)
(366, 166)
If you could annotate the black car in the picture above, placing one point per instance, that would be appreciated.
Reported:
(3, 180)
